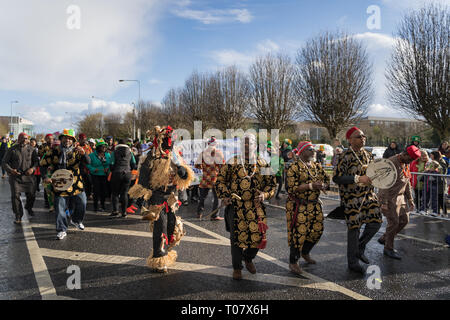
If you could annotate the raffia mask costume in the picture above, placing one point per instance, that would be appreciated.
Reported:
(162, 172)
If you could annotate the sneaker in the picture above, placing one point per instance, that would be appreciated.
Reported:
(433, 214)
(78, 225)
(114, 214)
(124, 215)
(61, 235)
(392, 254)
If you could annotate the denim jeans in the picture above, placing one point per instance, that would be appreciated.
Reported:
(75, 204)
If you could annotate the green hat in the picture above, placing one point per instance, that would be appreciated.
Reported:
(288, 141)
(269, 144)
(68, 133)
(100, 142)
(416, 138)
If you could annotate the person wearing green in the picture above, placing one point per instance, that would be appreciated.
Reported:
(279, 174)
(100, 169)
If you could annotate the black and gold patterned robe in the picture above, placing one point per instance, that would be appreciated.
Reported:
(74, 158)
(360, 202)
(232, 179)
(304, 207)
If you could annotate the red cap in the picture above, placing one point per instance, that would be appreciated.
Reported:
(82, 136)
(48, 135)
(350, 131)
(413, 152)
(23, 134)
(302, 145)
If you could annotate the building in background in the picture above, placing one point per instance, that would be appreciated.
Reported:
(12, 126)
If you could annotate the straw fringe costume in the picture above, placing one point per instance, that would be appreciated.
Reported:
(161, 174)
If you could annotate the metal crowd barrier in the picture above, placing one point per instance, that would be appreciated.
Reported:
(431, 195)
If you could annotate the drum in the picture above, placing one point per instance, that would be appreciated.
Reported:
(62, 180)
(383, 173)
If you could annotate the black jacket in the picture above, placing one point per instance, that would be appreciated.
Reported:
(389, 152)
(123, 160)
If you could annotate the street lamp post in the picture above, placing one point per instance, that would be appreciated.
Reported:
(10, 120)
(138, 103)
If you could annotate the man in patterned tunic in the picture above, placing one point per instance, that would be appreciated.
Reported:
(358, 198)
(68, 157)
(210, 161)
(243, 188)
(304, 215)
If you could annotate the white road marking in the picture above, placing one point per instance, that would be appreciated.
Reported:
(146, 234)
(43, 279)
(398, 235)
(181, 266)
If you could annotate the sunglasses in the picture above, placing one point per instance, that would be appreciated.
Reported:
(361, 136)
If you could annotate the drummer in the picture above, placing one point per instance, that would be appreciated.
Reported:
(67, 157)
(397, 201)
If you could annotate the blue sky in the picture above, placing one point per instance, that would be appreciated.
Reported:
(54, 71)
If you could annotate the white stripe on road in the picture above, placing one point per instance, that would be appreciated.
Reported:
(129, 233)
(400, 235)
(44, 282)
(181, 266)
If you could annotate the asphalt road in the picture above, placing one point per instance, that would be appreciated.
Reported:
(111, 253)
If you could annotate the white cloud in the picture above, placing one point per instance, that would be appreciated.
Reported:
(381, 110)
(40, 54)
(183, 9)
(64, 114)
(376, 40)
(227, 57)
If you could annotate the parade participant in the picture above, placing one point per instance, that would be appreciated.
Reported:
(67, 157)
(397, 200)
(280, 173)
(162, 172)
(92, 144)
(358, 197)
(99, 167)
(304, 215)
(243, 188)
(20, 162)
(210, 161)
(109, 144)
(42, 150)
(4, 146)
(87, 180)
(37, 173)
(122, 162)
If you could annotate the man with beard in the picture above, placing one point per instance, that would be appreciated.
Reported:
(394, 201)
(358, 197)
(20, 162)
(243, 187)
(68, 157)
(304, 215)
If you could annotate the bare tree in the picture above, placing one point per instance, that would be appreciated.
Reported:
(195, 99)
(230, 95)
(172, 110)
(273, 100)
(418, 72)
(90, 125)
(334, 81)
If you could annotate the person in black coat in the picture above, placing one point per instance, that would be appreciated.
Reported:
(4, 146)
(392, 150)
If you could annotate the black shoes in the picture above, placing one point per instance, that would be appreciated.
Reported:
(364, 259)
(392, 254)
(381, 241)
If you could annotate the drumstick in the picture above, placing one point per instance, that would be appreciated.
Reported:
(233, 195)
